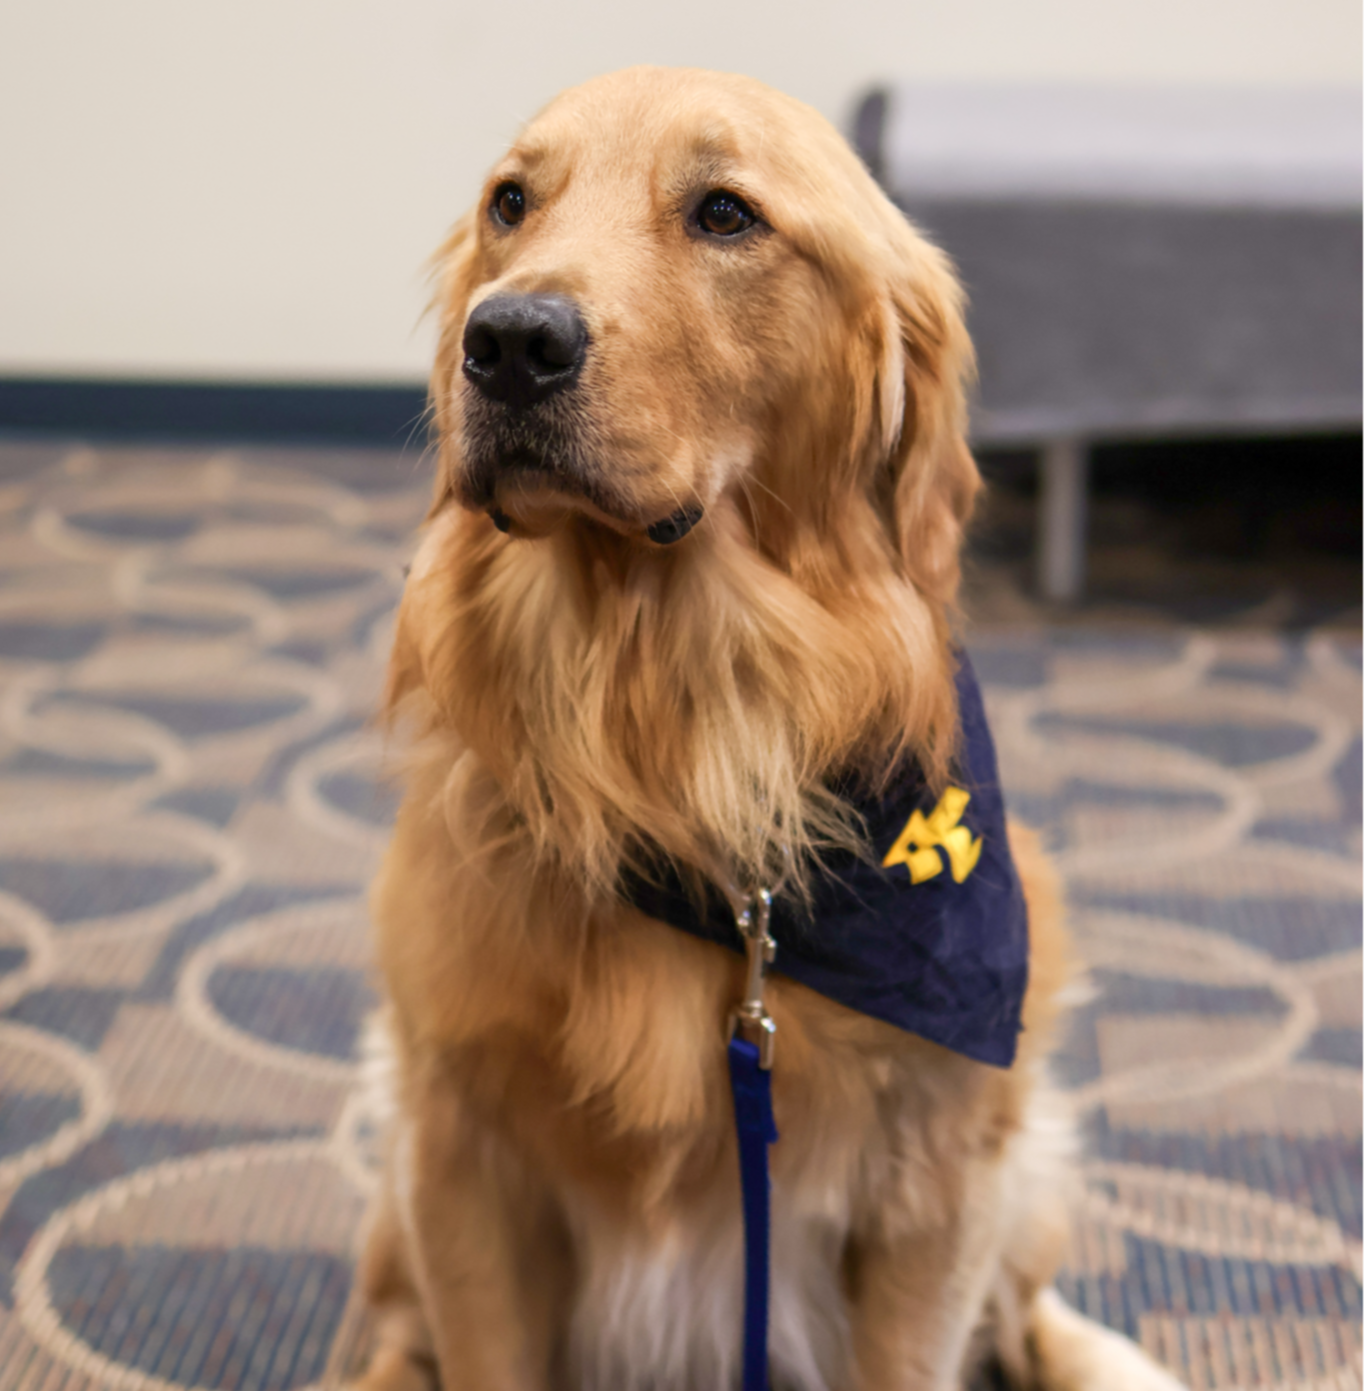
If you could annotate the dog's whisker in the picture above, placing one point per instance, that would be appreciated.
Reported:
(782, 502)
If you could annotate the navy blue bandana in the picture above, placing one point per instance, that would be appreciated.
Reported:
(934, 937)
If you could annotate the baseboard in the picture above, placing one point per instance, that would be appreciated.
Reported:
(168, 410)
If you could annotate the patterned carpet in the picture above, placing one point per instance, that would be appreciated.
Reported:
(190, 645)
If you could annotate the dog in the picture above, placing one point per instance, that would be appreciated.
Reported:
(685, 608)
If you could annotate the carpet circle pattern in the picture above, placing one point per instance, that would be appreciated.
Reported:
(192, 800)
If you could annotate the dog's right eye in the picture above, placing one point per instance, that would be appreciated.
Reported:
(509, 204)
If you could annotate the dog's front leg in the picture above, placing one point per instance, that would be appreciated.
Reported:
(917, 1294)
(471, 1223)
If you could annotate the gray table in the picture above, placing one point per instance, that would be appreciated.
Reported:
(1140, 263)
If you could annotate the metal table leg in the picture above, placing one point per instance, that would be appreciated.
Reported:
(1061, 519)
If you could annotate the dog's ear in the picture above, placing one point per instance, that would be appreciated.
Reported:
(453, 275)
(930, 481)
(452, 272)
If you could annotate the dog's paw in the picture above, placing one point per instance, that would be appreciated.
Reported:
(1070, 1353)
(394, 1368)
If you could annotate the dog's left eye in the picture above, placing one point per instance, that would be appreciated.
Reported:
(724, 214)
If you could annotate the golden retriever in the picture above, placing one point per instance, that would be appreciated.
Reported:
(692, 559)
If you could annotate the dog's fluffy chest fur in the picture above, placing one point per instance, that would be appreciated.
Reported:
(666, 1313)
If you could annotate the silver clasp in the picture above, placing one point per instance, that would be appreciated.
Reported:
(751, 1019)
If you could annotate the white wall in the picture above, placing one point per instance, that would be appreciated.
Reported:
(249, 190)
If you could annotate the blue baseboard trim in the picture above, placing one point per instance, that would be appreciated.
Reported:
(166, 410)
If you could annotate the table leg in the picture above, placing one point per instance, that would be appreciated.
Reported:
(1062, 470)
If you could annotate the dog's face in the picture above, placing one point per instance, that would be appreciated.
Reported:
(710, 381)
(681, 290)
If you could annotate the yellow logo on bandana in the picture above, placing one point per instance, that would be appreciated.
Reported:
(915, 847)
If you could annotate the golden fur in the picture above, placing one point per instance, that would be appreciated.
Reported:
(560, 1204)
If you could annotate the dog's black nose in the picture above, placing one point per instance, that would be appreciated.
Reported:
(519, 349)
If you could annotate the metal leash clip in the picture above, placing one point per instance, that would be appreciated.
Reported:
(751, 1019)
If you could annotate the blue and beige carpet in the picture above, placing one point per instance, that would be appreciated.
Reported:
(190, 646)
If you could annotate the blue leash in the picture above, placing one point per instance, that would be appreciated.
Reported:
(751, 1087)
(751, 1084)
